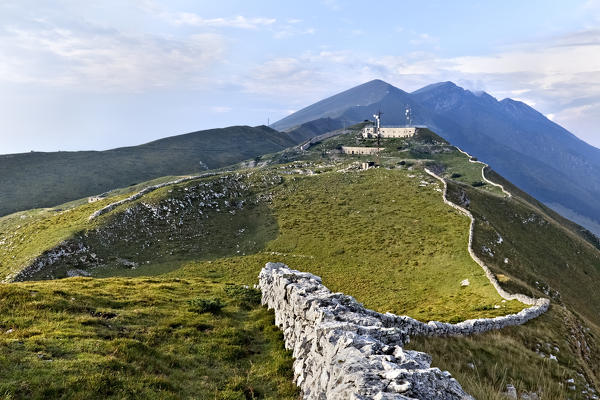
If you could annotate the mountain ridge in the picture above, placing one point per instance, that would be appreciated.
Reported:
(537, 154)
(46, 179)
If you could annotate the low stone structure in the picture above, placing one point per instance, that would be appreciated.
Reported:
(539, 306)
(367, 165)
(342, 350)
(360, 150)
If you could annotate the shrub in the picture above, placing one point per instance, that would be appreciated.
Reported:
(455, 175)
(244, 296)
(477, 183)
(212, 305)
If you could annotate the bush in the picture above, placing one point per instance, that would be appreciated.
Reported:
(244, 296)
(455, 175)
(212, 305)
(477, 183)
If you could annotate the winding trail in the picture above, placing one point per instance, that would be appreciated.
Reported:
(541, 302)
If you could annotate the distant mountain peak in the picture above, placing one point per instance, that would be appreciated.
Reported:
(375, 82)
(436, 87)
(334, 106)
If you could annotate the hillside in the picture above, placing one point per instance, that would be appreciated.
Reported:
(539, 156)
(382, 235)
(145, 338)
(35, 180)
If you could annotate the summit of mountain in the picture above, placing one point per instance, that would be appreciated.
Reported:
(522, 144)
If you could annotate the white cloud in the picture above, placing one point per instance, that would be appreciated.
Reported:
(104, 59)
(286, 31)
(334, 5)
(241, 22)
(529, 102)
(560, 76)
(421, 39)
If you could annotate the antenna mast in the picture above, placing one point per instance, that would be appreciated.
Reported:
(377, 130)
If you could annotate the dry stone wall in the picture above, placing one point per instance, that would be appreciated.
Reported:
(538, 306)
(344, 351)
(484, 166)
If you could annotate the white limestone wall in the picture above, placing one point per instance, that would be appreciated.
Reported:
(484, 165)
(342, 350)
(345, 351)
(539, 306)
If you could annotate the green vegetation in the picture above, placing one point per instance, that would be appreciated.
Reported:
(485, 364)
(383, 236)
(25, 235)
(137, 338)
(391, 243)
(46, 179)
(534, 251)
(387, 232)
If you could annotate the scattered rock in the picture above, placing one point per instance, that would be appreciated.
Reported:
(77, 272)
(511, 391)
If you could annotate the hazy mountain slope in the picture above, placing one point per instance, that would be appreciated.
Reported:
(314, 128)
(533, 152)
(33, 180)
(335, 106)
(536, 154)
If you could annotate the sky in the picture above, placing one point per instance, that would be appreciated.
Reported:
(83, 75)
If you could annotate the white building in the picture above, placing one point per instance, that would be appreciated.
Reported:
(389, 131)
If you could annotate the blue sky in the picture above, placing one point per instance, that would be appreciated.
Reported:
(96, 75)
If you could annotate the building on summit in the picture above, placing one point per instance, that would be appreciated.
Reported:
(376, 130)
(389, 131)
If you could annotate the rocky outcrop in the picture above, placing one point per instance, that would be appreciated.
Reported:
(48, 258)
(142, 192)
(344, 351)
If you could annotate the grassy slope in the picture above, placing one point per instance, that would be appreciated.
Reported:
(137, 338)
(386, 232)
(538, 252)
(295, 235)
(47, 179)
(25, 235)
(544, 257)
